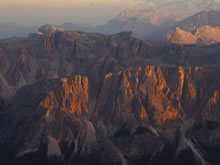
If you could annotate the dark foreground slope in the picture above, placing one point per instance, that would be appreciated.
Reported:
(85, 98)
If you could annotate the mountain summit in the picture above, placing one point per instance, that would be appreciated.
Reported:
(47, 29)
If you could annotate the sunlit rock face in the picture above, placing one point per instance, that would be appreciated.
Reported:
(57, 115)
(51, 113)
(205, 35)
(75, 103)
(58, 54)
(79, 98)
(159, 94)
(137, 113)
(202, 26)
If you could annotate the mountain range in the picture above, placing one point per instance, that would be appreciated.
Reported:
(203, 35)
(142, 89)
(151, 21)
(190, 24)
(87, 98)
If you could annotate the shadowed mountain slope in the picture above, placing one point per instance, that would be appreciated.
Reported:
(79, 98)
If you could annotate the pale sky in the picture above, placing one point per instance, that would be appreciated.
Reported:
(94, 12)
(69, 3)
(30, 12)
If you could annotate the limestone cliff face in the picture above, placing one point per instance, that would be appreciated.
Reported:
(131, 116)
(58, 54)
(206, 35)
(52, 114)
(157, 94)
(192, 24)
(182, 37)
(72, 97)
(56, 114)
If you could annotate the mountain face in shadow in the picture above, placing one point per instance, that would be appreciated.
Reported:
(87, 98)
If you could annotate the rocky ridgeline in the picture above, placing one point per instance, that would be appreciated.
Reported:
(45, 30)
(205, 35)
(205, 23)
(79, 98)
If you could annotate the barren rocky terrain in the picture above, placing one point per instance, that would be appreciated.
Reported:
(87, 98)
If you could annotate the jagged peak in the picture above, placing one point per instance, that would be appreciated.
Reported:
(205, 34)
(47, 29)
(181, 36)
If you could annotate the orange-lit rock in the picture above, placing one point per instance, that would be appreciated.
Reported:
(211, 109)
(50, 103)
(203, 35)
(155, 93)
(70, 97)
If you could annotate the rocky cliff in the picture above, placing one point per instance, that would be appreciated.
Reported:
(204, 35)
(191, 24)
(64, 53)
(79, 98)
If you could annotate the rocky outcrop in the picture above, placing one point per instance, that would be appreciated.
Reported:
(45, 30)
(182, 37)
(199, 21)
(206, 35)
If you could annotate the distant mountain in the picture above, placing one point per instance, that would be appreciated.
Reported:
(190, 24)
(211, 18)
(162, 15)
(182, 37)
(203, 35)
(141, 22)
(72, 26)
(158, 18)
(185, 6)
(13, 29)
(165, 15)
(154, 17)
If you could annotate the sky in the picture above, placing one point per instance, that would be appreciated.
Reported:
(70, 3)
(30, 12)
(94, 12)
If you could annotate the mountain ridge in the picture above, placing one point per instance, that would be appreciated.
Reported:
(190, 24)
(79, 98)
(203, 35)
